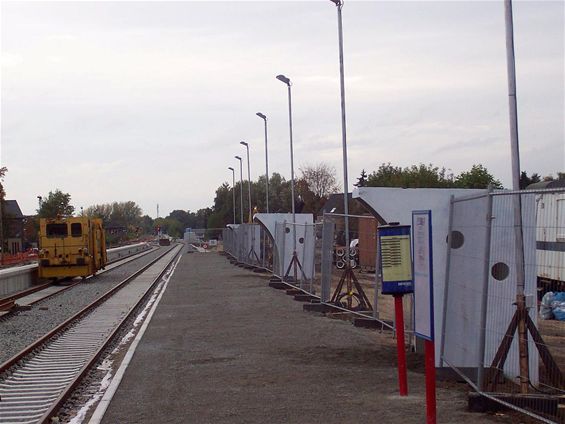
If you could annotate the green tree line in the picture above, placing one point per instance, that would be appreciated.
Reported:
(315, 184)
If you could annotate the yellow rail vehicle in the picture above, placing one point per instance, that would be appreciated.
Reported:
(71, 247)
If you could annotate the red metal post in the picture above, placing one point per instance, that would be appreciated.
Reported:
(400, 347)
(430, 382)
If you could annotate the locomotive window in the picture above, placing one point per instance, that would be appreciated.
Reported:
(76, 229)
(57, 230)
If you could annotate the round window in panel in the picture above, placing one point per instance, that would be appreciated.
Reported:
(287, 230)
(301, 240)
(499, 271)
(457, 239)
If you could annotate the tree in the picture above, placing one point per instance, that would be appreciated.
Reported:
(362, 180)
(306, 200)
(146, 224)
(103, 211)
(170, 226)
(125, 214)
(122, 220)
(560, 176)
(56, 204)
(3, 171)
(181, 216)
(414, 176)
(320, 178)
(477, 177)
(525, 181)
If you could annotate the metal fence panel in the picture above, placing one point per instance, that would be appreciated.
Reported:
(328, 229)
(502, 285)
(467, 243)
(279, 250)
(480, 335)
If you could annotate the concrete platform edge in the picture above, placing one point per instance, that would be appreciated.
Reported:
(100, 410)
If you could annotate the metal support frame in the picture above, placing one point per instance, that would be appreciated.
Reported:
(446, 281)
(357, 296)
(484, 300)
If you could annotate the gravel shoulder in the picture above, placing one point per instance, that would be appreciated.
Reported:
(224, 348)
(23, 328)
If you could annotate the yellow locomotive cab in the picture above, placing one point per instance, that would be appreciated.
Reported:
(71, 247)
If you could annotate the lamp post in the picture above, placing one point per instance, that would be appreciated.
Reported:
(233, 190)
(521, 308)
(241, 186)
(285, 80)
(339, 4)
(294, 260)
(243, 143)
(264, 118)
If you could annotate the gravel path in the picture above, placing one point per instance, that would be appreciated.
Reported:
(224, 348)
(23, 328)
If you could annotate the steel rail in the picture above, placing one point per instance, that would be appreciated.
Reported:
(10, 299)
(5, 301)
(17, 357)
(51, 412)
(44, 383)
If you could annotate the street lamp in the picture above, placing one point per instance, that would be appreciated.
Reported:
(294, 260)
(285, 80)
(241, 186)
(264, 118)
(243, 143)
(233, 190)
(339, 4)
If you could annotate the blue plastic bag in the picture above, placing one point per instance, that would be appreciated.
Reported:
(558, 306)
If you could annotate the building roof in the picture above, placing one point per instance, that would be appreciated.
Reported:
(12, 209)
(334, 204)
(546, 184)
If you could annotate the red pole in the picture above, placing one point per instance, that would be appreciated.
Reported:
(430, 382)
(400, 347)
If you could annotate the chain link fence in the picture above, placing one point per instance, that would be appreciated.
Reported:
(248, 244)
(295, 254)
(353, 290)
(511, 357)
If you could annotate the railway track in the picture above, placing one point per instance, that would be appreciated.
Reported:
(39, 379)
(46, 290)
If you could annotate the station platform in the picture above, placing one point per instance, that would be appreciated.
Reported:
(223, 347)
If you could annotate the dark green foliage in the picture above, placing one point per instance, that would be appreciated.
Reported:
(414, 176)
(430, 176)
(56, 203)
(361, 180)
(525, 181)
(477, 177)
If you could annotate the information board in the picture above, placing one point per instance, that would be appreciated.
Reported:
(423, 274)
(395, 259)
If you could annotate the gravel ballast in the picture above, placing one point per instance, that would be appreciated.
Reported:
(23, 328)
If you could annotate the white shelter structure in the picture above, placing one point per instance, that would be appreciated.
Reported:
(280, 229)
(480, 302)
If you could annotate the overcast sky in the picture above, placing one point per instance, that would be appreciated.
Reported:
(147, 101)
